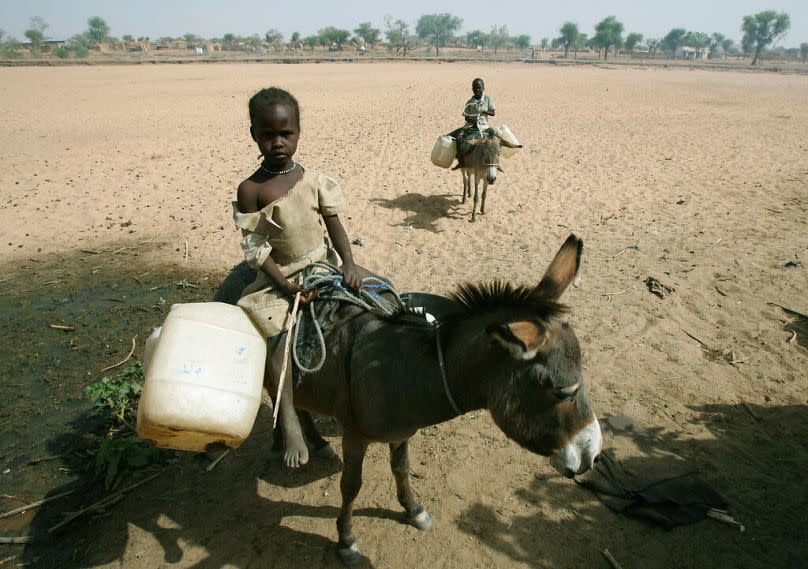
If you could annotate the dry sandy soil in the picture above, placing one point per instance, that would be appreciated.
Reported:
(116, 185)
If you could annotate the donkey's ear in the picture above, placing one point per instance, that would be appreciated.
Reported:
(522, 339)
(563, 270)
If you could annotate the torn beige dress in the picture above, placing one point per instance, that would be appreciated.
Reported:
(291, 231)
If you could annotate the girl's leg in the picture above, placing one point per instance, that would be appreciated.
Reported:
(295, 452)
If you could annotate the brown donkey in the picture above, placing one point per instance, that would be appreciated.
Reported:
(498, 346)
(481, 162)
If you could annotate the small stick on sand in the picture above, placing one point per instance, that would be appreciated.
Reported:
(213, 464)
(725, 518)
(108, 501)
(613, 293)
(793, 337)
(16, 540)
(705, 346)
(612, 561)
(61, 327)
(186, 251)
(126, 359)
(33, 505)
(286, 346)
(47, 458)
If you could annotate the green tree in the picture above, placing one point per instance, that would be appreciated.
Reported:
(715, 42)
(477, 38)
(727, 45)
(80, 44)
(295, 37)
(37, 23)
(36, 33)
(368, 33)
(697, 40)
(763, 29)
(804, 51)
(632, 40)
(581, 42)
(544, 43)
(673, 40)
(35, 37)
(254, 42)
(98, 29)
(609, 32)
(332, 35)
(498, 37)
(569, 36)
(274, 37)
(311, 41)
(397, 34)
(522, 41)
(437, 29)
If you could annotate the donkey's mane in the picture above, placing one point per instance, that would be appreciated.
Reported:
(499, 293)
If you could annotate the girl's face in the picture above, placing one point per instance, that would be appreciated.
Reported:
(477, 88)
(275, 130)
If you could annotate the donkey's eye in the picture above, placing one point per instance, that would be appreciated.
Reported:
(567, 394)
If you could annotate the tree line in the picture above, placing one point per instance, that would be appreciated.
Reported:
(759, 32)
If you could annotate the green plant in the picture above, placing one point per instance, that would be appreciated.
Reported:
(117, 397)
(118, 394)
(128, 451)
(61, 52)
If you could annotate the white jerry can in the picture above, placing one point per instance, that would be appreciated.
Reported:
(444, 151)
(504, 133)
(204, 372)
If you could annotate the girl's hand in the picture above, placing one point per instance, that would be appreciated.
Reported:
(305, 296)
(351, 276)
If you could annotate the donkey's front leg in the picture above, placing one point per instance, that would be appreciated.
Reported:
(485, 193)
(354, 447)
(400, 465)
(476, 197)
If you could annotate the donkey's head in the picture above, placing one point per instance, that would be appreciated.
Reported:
(486, 157)
(529, 362)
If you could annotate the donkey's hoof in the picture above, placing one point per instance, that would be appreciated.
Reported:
(350, 555)
(421, 521)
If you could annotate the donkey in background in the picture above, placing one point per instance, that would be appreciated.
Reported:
(481, 161)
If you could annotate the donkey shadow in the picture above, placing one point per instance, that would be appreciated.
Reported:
(425, 210)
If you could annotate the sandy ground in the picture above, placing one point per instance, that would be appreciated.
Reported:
(115, 175)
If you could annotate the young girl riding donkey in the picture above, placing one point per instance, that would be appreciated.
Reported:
(281, 210)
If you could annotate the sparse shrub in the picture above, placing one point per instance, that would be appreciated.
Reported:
(117, 397)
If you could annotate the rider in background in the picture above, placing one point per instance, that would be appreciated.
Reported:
(476, 112)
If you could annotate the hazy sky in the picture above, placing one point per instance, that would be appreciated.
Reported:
(214, 18)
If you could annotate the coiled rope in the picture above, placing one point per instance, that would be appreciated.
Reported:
(331, 294)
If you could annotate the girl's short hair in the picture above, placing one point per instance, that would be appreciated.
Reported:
(270, 96)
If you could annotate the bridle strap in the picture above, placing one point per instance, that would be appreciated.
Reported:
(443, 376)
